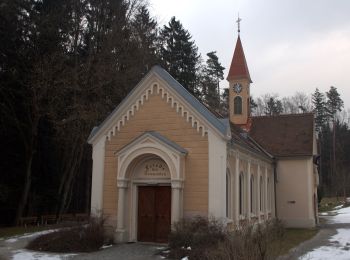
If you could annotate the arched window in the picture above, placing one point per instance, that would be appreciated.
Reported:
(261, 193)
(241, 183)
(228, 194)
(237, 105)
(252, 194)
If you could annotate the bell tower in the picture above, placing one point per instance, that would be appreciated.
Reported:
(239, 85)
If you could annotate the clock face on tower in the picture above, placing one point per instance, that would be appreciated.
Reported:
(237, 88)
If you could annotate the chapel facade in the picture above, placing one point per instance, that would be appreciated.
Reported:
(162, 155)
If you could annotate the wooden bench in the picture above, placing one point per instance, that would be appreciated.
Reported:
(28, 221)
(48, 219)
(81, 217)
(68, 217)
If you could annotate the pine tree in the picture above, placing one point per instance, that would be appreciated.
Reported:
(213, 73)
(252, 105)
(179, 54)
(145, 37)
(274, 107)
(320, 109)
(334, 102)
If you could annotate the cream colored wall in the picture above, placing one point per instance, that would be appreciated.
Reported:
(295, 183)
(158, 115)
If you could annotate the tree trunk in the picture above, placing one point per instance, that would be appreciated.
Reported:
(27, 184)
(68, 182)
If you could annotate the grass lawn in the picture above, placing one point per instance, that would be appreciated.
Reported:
(328, 204)
(293, 237)
(13, 231)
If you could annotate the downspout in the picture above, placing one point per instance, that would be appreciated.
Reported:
(274, 183)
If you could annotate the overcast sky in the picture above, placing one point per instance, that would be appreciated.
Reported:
(290, 45)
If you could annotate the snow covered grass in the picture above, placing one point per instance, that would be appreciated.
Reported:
(29, 235)
(10, 232)
(341, 215)
(30, 255)
(339, 244)
(338, 249)
(328, 204)
(83, 238)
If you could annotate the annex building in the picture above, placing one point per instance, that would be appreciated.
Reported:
(162, 155)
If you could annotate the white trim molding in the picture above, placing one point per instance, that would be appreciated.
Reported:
(98, 160)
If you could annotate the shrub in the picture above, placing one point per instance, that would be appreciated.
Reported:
(83, 238)
(195, 237)
(255, 242)
(200, 238)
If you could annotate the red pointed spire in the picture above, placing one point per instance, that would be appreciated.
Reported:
(239, 68)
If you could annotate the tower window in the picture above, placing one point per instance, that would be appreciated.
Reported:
(237, 105)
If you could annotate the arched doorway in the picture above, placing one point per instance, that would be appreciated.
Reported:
(150, 188)
(151, 178)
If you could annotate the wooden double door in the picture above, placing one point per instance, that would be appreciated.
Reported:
(154, 213)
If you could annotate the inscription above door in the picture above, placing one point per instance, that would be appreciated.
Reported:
(153, 168)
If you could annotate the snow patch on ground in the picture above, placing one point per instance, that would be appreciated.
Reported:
(29, 255)
(342, 216)
(29, 235)
(338, 207)
(339, 248)
(105, 246)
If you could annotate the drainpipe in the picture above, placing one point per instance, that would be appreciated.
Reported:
(274, 183)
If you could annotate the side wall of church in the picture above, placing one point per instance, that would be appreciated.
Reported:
(295, 192)
(158, 115)
(243, 208)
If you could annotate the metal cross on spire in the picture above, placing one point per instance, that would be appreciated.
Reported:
(239, 24)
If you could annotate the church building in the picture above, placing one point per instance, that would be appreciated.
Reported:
(162, 156)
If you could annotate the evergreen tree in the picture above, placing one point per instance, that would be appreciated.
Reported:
(320, 109)
(179, 54)
(213, 73)
(252, 105)
(274, 107)
(145, 37)
(334, 102)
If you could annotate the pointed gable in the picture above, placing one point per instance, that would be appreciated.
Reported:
(239, 68)
(173, 93)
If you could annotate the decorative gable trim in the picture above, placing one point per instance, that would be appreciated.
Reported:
(137, 97)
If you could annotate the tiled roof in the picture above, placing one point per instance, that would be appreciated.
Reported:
(239, 68)
(284, 135)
